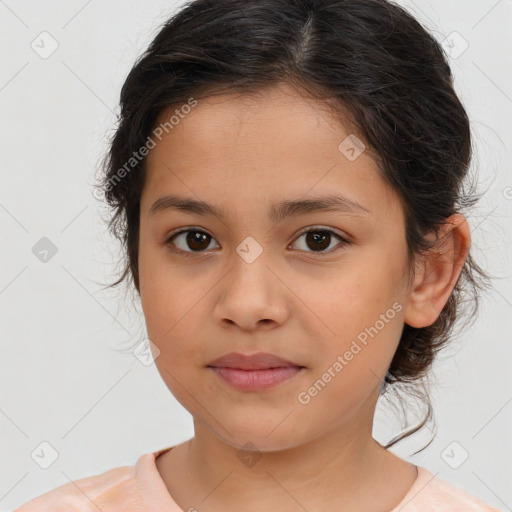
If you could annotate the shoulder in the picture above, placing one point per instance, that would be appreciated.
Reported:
(99, 492)
(429, 492)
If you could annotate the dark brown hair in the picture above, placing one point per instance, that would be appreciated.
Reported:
(372, 62)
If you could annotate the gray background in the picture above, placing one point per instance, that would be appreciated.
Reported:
(63, 379)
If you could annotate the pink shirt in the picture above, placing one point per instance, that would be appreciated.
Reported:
(140, 488)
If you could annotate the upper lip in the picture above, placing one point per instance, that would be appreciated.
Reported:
(259, 361)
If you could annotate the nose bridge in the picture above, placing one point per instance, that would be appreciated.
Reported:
(251, 261)
(251, 291)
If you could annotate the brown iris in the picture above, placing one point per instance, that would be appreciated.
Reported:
(196, 240)
(322, 238)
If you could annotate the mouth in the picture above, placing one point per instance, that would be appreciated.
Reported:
(254, 372)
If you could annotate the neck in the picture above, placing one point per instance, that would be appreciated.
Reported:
(346, 468)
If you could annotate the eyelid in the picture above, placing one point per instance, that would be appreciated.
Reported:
(319, 227)
(184, 230)
(301, 232)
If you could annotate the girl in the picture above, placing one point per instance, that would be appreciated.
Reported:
(286, 178)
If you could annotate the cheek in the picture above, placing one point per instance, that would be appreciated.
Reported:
(158, 289)
(362, 318)
(159, 304)
(174, 319)
(353, 299)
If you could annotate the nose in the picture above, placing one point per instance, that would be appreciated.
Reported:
(252, 295)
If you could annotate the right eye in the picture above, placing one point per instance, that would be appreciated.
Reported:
(196, 239)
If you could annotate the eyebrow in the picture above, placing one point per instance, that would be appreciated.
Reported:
(277, 212)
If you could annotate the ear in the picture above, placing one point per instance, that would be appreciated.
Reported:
(437, 272)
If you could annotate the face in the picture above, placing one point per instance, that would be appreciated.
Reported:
(322, 288)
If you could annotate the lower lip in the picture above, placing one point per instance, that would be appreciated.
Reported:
(256, 380)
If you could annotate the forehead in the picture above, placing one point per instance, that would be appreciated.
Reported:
(274, 143)
(232, 119)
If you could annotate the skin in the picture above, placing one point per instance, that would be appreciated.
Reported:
(242, 153)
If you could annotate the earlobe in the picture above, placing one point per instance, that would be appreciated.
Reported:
(437, 272)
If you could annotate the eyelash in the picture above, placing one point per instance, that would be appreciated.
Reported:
(315, 229)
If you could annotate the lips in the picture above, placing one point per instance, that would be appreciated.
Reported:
(255, 372)
(259, 361)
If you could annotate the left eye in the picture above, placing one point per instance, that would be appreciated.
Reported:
(320, 239)
(198, 241)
